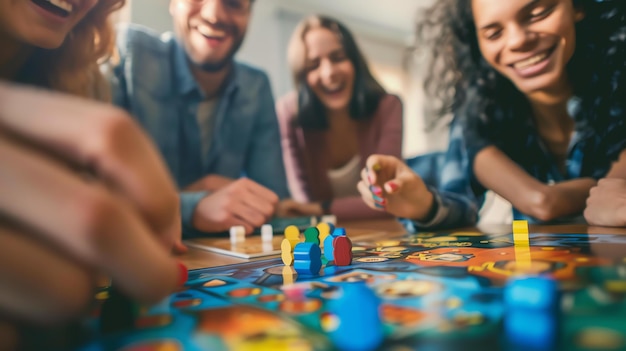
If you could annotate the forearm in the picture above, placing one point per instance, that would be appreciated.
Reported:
(188, 203)
(453, 211)
(567, 198)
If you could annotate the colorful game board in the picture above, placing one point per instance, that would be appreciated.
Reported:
(437, 292)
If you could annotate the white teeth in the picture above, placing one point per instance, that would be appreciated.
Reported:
(62, 4)
(530, 61)
(208, 32)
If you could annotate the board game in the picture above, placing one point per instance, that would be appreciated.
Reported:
(436, 291)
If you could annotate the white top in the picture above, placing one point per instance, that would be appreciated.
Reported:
(344, 179)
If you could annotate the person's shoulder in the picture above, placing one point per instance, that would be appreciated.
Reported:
(388, 102)
(134, 37)
(287, 106)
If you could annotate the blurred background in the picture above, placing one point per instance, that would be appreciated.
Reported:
(383, 30)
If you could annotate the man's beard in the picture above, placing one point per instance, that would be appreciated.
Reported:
(212, 67)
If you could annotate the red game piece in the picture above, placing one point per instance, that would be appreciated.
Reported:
(342, 251)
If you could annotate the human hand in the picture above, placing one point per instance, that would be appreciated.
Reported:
(211, 183)
(243, 202)
(292, 208)
(82, 192)
(606, 204)
(388, 184)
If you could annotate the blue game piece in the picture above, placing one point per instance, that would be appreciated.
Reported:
(307, 259)
(353, 321)
(532, 308)
(538, 293)
(534, 330)
(339, 232)
(329, 249)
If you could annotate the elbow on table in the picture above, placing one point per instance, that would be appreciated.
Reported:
(542, 206)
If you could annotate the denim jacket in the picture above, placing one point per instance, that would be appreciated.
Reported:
(154, 83)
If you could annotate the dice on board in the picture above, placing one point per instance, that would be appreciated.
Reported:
(267, 233)
(237, 234)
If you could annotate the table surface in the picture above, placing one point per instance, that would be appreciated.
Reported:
(196, 258)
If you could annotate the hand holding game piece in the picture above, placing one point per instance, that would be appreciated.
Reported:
(606, 204)
(243, 202)
(394, 188)
(60, 226)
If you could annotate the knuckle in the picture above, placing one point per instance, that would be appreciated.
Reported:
(97, 210)
(113, 130)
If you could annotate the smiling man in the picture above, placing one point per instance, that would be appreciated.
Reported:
(212, 118)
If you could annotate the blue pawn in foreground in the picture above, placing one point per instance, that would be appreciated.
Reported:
(307, 259)
(353, 319)
(532, 313)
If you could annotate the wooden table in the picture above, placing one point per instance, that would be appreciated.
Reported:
(197, 258)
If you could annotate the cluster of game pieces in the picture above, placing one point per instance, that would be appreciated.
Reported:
(531, 302)
(306, 257)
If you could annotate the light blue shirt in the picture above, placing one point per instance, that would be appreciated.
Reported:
(154, 83)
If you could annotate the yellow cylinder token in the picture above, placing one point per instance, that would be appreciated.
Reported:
(286, 252)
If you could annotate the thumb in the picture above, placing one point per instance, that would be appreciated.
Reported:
(393, 186)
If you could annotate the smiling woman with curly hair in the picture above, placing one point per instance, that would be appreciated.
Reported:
(57, 46)
(537, 91)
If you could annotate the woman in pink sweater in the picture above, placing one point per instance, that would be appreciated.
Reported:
(338, 116)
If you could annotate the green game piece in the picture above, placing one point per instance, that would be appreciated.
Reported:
(311, 235)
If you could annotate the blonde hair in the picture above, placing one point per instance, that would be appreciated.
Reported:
(74, 67)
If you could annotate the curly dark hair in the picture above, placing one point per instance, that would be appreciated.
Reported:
(460, 81)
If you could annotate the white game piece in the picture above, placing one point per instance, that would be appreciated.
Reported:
(313, 221)
(267, 232)
(237, 234)
(332, 219)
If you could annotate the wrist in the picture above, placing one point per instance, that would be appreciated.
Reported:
(427, 209)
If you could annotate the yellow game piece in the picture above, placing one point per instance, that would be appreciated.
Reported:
(376, 167)
(292, 233)
(324, 229)
(287, 252)
(523, 261)
(288, 274)
(520, 231)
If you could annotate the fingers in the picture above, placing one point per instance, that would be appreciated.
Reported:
(368, 197)
(85, 221)
(108, 143)
(60, 291)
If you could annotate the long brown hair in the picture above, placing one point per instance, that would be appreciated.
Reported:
(74, 67)
(367, 91)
